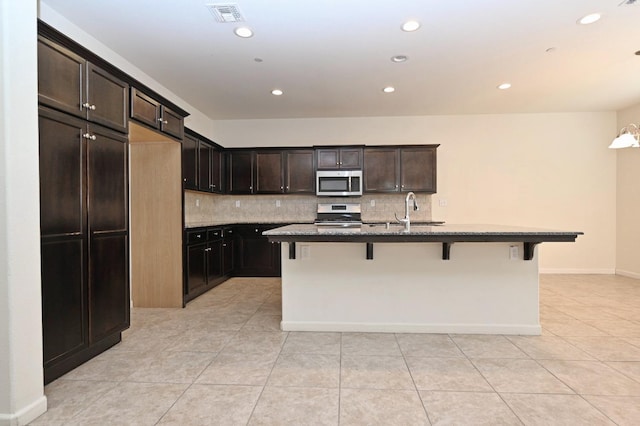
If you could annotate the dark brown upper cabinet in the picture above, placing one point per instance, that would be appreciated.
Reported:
(269, 173)
(202, 164)
(339, 158)
(190, 162)
(209, 168)
(69, 83)
(148, 111)
(400, 169)
(240, 171)
(381, 172)
(300, 177)
(418, 169)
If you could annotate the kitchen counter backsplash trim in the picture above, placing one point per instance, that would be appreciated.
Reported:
(202, 209)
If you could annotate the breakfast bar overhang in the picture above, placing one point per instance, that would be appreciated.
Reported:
(477, 279)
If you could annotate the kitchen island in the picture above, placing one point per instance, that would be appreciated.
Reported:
(435, 279)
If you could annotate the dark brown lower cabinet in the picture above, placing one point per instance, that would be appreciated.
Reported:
(84, 240)
(255, 256)
(204, 261)
(212, 255)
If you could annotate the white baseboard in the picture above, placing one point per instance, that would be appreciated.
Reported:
(26, 415)
(522, 329)
(628, 274)
(577, 271)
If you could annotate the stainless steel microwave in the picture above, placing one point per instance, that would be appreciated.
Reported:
(338, 183)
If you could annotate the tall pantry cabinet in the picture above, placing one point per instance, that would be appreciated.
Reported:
(83, 117)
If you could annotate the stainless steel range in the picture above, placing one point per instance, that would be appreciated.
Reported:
(339, 214)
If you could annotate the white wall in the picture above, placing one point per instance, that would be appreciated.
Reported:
(540, 170)
(628, 202)
(21, 375)
(197, 121)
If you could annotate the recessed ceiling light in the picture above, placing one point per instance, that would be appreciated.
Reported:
(399, 58)
(277, 92)
(589, 19)
(410, 26)
(389, 89)
(243, 32)
(504, 86)
(257, 59)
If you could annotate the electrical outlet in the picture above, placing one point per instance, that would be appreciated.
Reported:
(442, 202)
(513, 253)
(197, 202)
(237, 203)
(305, 251)
(278, 203)
(373, 203)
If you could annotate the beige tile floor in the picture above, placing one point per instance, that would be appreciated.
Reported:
(223, 360)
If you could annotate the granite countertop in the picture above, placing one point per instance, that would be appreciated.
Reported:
(417, 233)
(253, 222)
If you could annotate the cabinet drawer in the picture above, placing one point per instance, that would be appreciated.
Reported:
(194, 237)
(144, 109)
(214, 234)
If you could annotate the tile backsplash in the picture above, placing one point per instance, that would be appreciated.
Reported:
(203, 209)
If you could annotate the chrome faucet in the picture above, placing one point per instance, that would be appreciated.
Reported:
(405, 220)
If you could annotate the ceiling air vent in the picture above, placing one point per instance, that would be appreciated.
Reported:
(226, 12)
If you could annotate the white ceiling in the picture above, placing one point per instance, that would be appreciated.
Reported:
(332, 57)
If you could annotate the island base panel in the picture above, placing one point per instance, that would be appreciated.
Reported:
(407, 287)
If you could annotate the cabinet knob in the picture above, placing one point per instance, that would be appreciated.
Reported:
(281, 188)
(89, 106)
(212, 186)
(224, 245)
(396, 186)
(89, 136)
(185, 179)
(162, 120)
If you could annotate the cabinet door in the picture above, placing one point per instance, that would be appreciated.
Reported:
(63, 298)
(190, 162)
(145, 109)
(300, 174)
(351, 158)
(255, 255)
(227, 256)
(106, 99)
(418, 169)
(61, 173)
(240, 164)
(269, 176)
(171, 123)
(204, 166)
(214, 262)
(60, 78)
(196, 267)
(328, 158)
(381, 170)
(216, 170)
(108, 226)
(107, 181)
(108, 284)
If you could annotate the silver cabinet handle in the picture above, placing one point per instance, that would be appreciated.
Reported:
(396, 186)
(89, 136)
(89, 106)
(163, 121)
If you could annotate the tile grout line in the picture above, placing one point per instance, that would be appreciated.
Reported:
(426, 412)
